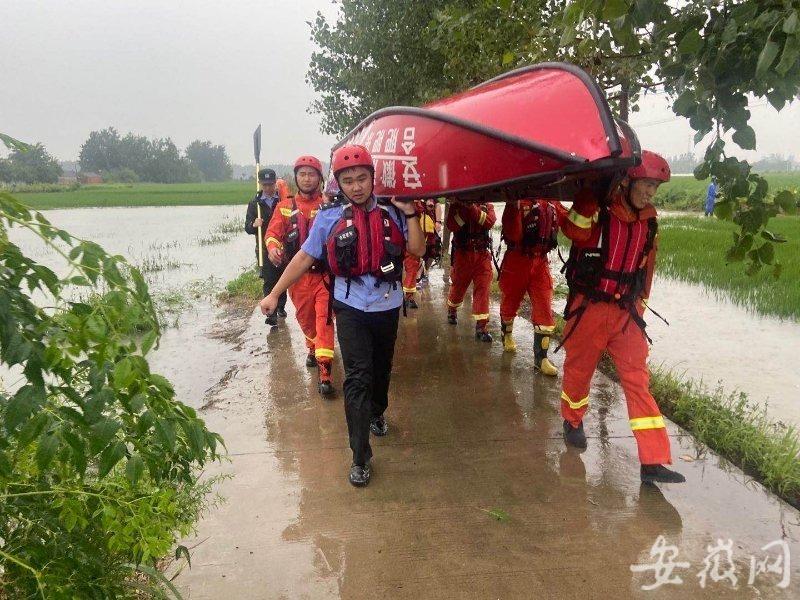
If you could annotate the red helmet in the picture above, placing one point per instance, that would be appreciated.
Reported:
(653, 166)
(350, 156)
(308, 161)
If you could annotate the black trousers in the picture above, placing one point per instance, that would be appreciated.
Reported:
(270, 274)
(366, 341)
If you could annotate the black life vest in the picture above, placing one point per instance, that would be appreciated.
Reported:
(473, 237)
(539, 230)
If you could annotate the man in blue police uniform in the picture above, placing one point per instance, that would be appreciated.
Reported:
(266, 199)
(363, 244)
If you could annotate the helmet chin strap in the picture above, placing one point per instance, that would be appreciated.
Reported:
(628, 200)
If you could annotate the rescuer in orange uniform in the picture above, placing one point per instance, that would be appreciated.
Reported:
(530, 230)
(287, 231)
(609, 273)
(471, 262)
(411, 266)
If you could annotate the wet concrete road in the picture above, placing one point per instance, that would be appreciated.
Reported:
(472, 432)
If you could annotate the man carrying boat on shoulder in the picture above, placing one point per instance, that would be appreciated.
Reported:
(471, 262)
(530, 230)
(609, 273)
(411, 266)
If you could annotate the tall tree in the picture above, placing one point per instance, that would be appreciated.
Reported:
(31, 164)
(212, 161)
(373, 56)
(101, 151)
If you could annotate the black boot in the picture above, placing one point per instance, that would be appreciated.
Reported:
(378, 426)
(272, 319)
(412, 303)
(311, 360)
(574, 436)
(282, 313)
(660, 474)
(325, 386)
(452, 318)
(359, 476)
(483, 336)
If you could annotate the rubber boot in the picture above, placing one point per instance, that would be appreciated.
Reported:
(509, 345)
(272, 319)
(451, 316)
(481, 333)
(410, 302)
(325, 385)
(541, 363)
(660, 474)
(574, 436)
(311, 360)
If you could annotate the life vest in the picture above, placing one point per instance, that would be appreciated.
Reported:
(473, 237)
(366, 242)
(296, 234)
(539, 230)
(616, 269)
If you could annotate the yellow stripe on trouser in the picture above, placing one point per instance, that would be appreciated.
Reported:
(453, 305)
(323, 353)
(479, 317)
(409, 290)
(579, 220)
(574, 405)
(544, 329)
(641, 423)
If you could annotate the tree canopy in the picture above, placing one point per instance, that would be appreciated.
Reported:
(29, 164)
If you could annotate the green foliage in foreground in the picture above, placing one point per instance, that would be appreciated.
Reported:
(690, 249)
(684, 192)
(145, 194)
(247, 288)
(98, 461)
(735, 429)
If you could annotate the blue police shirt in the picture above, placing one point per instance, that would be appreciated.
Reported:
(364, 295)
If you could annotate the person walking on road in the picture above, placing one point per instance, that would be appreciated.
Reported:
(609, 273)
(288, 230)
(471, 262)
(363, 243)
(530, 230)
(266, 199)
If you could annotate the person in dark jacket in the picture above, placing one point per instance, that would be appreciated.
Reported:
(266, 200)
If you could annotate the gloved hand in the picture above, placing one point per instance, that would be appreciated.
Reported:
(585, 203)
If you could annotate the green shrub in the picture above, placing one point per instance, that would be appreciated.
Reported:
(98, 460)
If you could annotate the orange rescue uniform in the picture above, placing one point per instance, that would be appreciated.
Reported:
(597, 326)
(309, 294)
(471, 258)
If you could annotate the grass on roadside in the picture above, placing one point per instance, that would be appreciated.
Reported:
(734, 428)
(245, 289)
(693, 249)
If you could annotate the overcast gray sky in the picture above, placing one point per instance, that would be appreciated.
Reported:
(210, 70)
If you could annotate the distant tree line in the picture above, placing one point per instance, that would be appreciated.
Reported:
(32, 166)
(137, 158)
(772, 163)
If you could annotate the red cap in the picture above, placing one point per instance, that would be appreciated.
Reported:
(351, 156)
(308, 161)
(653, 166)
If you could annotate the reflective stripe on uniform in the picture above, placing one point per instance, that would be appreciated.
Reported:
(579, 220)
(459, 220)
(574, 405)
(409, 290)
(452, 305)
(482, 218)
(544, 329)
(647, 423)
(286, 212)
(479, 317)
(323, 353)
(272, 240)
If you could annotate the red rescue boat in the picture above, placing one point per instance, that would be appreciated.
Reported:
(542, 129)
